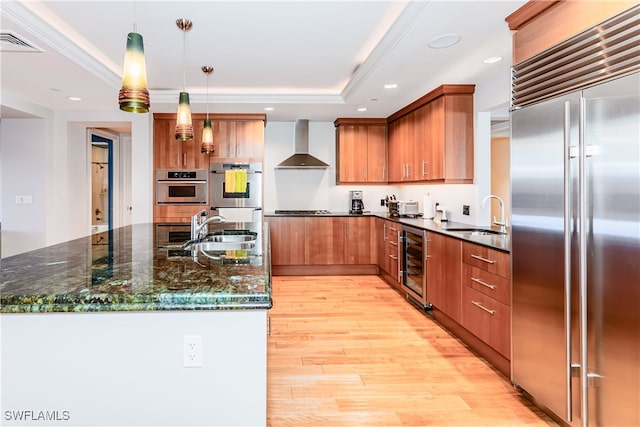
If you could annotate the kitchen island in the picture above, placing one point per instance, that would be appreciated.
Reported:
(97, 331)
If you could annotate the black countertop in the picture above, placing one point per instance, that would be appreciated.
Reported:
(138, 268)
(501, 242)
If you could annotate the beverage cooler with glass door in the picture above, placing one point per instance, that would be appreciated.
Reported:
(413, 272)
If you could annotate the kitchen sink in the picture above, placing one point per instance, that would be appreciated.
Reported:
(230, 238)
(475, 231)
(224, 241)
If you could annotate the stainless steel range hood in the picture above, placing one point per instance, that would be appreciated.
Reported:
(302, 159)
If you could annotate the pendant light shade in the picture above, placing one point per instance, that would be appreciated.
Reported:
(134, 96)
(184, 125)
(207, 138)
(207, 133)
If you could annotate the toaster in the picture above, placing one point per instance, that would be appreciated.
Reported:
(408, 208)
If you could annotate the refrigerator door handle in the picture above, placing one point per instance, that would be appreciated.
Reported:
(582, 263)
(569, 153)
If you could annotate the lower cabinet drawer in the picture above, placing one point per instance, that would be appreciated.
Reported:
(490, 284)
(487, 319)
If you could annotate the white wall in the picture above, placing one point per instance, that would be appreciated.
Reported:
(310, 188)
(24, 150)
(126, 368)
(47, 158)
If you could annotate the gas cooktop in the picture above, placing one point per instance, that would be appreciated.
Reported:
(302, 212)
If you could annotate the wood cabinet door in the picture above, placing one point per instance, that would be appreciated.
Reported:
(193, 158)
(352, 153)
(358, 248)
(381, 243)
(458, 138)
(167, 152)
(324, 240)
(287, 240)
(435, 139)
(376, 154)
(249, 139)
(488, 319)
(444, 274)
(395, 159)
(224, 138)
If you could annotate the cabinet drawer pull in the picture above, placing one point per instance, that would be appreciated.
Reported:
(394, 243)
(492, 287)
(489, 261)
(477, 304)
(393, 257)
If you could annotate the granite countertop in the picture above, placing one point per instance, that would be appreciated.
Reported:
(501, 242)
(138, 268)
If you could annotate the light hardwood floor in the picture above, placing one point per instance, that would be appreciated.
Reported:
(350, 351)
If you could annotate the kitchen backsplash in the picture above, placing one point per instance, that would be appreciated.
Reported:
(317, 189)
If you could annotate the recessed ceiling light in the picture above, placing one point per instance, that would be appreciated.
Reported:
(362, 109)
(268, 108)
(492, 59)
(74, 98)
(444, 41)
(390, 86)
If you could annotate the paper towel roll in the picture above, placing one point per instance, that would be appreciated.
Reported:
(427, 207)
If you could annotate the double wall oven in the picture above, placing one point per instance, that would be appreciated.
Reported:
(235, 191)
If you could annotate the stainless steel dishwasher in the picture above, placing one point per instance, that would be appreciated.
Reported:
(414, 269)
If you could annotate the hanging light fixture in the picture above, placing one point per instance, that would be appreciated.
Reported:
(207, 133)
(134, 96)
(184, 126)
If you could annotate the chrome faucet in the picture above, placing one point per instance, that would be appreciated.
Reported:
(199, 222)
(503, 221)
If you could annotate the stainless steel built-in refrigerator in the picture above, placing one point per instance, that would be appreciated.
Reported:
(575, 184)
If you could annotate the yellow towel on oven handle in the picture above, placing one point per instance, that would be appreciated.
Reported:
(241, 181)
(229, 181)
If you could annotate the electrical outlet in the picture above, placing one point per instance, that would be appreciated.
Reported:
(465, 209)
(381, 202)
(192, 357)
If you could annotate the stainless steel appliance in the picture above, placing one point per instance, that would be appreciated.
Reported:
(408, 209)
(235, 191)
(413, 270)
(181, 186)
(576, 233)
(356, 203)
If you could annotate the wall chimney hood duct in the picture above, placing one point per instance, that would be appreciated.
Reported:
(302, 159)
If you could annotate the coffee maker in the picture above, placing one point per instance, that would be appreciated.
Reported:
(357, 205)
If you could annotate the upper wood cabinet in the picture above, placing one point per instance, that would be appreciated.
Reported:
(169, 153)
(361, 151)
(432, 138)
(538, 25)
(239, 137)
(234, 135)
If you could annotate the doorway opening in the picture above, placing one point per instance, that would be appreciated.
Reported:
(101, 183)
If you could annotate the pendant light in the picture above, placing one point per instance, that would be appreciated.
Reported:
(134, 96)
(207, 133)
(184, 126)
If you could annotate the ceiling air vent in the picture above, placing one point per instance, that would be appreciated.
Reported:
(12, 42)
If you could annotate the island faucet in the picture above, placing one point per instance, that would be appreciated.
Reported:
(199, 222)
(503, 221)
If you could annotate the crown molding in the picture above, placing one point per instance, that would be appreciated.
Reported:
(34, 20)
